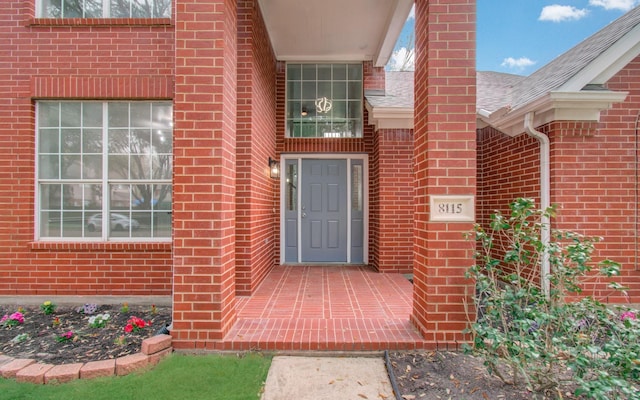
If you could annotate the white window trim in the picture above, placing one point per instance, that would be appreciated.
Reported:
(105, 182)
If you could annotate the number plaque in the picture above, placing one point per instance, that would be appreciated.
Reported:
(452, 209)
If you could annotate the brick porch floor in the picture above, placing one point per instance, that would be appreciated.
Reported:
(333, 308)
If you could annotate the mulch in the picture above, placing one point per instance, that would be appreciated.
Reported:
(39, 337)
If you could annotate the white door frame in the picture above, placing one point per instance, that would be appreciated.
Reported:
(325, 156)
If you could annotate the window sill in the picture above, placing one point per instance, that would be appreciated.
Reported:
(100, 22)
(101, 246)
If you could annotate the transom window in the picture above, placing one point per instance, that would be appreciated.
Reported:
(104, 170)
(324, 100)
(104, 8)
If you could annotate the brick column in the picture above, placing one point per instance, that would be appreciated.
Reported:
(204, 172)
(445, 163)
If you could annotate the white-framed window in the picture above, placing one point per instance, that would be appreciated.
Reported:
(324, 100)
(103, 8)
(99, 161)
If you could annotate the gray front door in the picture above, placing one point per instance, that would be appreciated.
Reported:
(323, 211)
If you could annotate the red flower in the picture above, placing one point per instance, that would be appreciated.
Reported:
(128, 328)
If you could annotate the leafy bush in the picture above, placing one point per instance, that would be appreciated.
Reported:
(528, 334)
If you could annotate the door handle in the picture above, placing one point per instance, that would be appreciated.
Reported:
(304, 215)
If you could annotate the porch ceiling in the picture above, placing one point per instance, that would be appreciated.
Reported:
(335, 30)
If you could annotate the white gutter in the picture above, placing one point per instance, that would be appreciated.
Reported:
(545, 197)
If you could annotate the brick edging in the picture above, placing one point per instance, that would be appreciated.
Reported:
(28, 370)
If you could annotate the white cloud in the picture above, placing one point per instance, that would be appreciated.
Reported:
(402, 60)
(517, 63)
(412, 14)
(558, 13)
(623, 5)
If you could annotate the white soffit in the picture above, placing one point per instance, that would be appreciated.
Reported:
(335, 30)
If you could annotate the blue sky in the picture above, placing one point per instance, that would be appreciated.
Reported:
(520, 36)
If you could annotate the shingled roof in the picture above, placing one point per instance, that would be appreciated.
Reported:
(567, 66)
(572, 86)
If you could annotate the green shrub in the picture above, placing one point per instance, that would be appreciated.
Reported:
(526, 334)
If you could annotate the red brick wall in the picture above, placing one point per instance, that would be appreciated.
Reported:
(394, 200)
(256, 209)
(204, 172)
(508, 168)
(76, 59)
(445, 163)
(593, 180)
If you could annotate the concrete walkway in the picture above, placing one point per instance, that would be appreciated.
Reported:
(327, 378)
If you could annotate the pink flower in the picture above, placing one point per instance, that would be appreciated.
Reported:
(16, 316)
(628, 315)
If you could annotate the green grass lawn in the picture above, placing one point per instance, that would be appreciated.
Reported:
(182, 377)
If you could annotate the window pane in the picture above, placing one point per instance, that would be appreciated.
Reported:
(324, 72)
(48, 114)
(93, 9)
(71, 167)
(162, 141)
(339, 90)
(339, 72)
(49, 141)
(71, 140)
(356, 188)
(118, 141)
(48, 167)
(291, 189)
(162, 166)
(120, 9)
(72, 9)
(140, 115)
(355, 72)
(162, 9)
(355, 108)
(294, 72)
(92, 141)
(118, 115)
(92, 167)
(308, 72)
(51, 9)
(324, 90)
(118, 167)
(92, 115)
(323, 109)
(295, 90)
(309, 90)
(70, 114)
(162, 115)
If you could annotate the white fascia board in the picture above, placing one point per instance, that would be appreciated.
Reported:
(392, 32)
(555, 106)
(607, 64)
(390, 117)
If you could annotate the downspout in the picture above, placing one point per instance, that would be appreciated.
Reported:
(545, 197)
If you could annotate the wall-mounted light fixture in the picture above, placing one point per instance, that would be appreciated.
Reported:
(274, 168)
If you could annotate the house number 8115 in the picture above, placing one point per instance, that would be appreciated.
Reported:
(450, 208)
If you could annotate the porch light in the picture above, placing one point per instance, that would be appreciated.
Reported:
(274, 168)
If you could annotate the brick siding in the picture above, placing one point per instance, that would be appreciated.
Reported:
(445, 163)
(73, 59)
(594, 171)
(257, 211)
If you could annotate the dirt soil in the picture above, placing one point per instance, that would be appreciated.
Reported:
(455, 375)
(88, 344)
